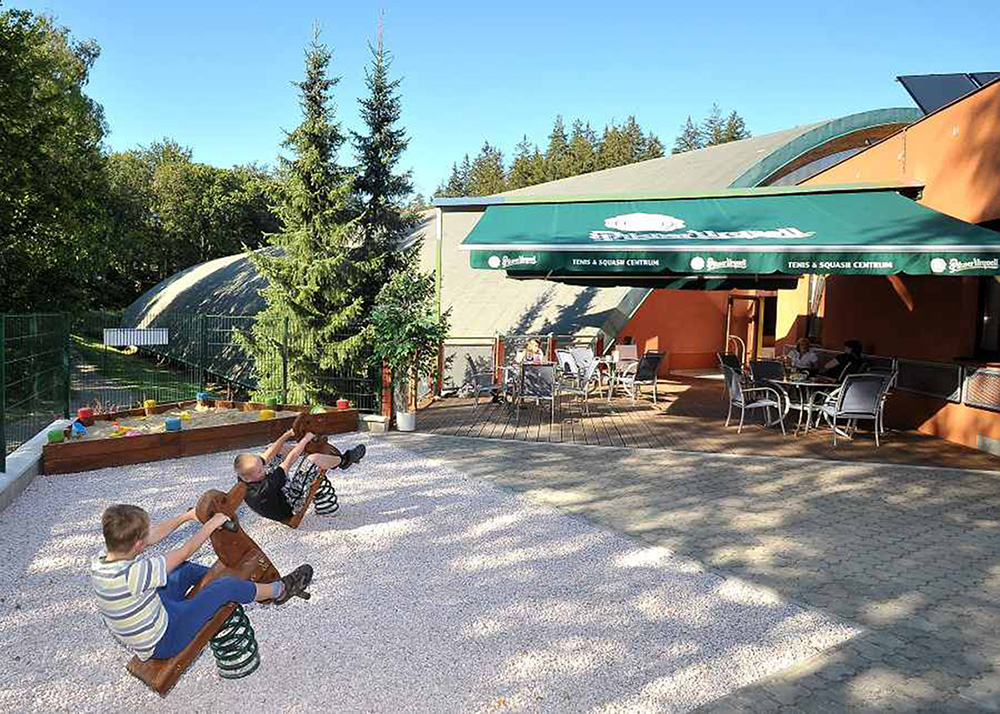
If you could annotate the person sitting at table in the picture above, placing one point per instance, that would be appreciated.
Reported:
(802, 357)
(847, 362)
(532, 353)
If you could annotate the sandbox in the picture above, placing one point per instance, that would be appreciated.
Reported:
(224, 426)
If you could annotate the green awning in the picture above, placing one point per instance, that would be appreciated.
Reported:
(859, 231)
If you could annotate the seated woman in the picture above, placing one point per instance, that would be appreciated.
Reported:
(847, 362)
(803, 357)
(533, 352)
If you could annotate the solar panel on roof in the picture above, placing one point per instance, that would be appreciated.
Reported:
(985, 77)
(933, 91)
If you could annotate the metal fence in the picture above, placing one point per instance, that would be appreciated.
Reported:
(52, 364)
(34, 376)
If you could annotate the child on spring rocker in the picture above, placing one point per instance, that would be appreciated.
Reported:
(142, 599)
(277, 492)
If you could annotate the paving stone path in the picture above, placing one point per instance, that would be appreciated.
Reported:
(910, 554)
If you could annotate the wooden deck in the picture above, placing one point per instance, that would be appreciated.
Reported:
(690, 416)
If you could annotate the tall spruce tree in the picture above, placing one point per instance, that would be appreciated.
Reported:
(316, 268)
(522, 171)
(689, 139)
(735, 128)
(582, 149)
(487, 176)
(380, 188)
(557, 153)
(713, 127)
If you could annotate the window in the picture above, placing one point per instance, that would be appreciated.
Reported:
(988, 341)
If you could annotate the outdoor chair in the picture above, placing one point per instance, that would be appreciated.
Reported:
(635, 374)
(762, 371)
(568, 365)
(751, 398)
(479, 382)
(540, 383)
(729, 360)
(580, 386)
(584, 357)
(626, 353)
(862, 396)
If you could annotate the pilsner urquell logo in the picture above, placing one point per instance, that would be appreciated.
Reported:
(699, 263)
(653, 226)
(495, 261)
(954, 265)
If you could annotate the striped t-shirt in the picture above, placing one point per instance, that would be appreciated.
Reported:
(128, 601)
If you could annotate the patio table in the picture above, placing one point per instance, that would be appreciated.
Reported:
(804, 389)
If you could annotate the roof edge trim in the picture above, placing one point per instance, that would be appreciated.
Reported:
(487, 201)
(829, 131)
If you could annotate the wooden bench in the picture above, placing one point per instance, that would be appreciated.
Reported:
(239, 557)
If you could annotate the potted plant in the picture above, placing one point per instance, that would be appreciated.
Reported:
(408, 334)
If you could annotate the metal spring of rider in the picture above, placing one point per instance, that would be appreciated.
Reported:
(235, 647)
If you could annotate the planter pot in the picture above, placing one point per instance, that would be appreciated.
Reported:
(406, 421)
(343, 404)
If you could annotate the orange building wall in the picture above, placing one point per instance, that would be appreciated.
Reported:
(955, 153)
(690, 326)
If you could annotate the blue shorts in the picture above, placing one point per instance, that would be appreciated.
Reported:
(186, 616)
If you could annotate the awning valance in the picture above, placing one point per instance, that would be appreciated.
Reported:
(842, 231)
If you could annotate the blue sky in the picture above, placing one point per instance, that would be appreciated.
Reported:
(216, 75)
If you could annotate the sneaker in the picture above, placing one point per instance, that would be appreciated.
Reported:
(295, 584)
(352, 456)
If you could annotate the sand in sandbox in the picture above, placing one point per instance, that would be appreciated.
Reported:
(156, 424)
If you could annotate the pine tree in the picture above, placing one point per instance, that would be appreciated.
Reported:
(557, 154)
(614, 149)
(380, 190)
(312, 280)
(652, 148)
(522, 170)
(735, 128)
(634, 140)
(713, 128)
(689, 138)
(582, 150)
(487, 175)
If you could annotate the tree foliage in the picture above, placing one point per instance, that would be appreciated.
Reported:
(578, 151)
(407, 331)
(713, 130)
(52, 179)
(313, 286)
(381, 188)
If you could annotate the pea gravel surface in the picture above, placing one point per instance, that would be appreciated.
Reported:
(433, 592)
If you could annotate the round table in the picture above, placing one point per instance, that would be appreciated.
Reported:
(805, 388)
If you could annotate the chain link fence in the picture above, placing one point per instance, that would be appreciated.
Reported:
(53, 364)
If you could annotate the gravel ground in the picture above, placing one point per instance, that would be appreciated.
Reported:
(433, 592)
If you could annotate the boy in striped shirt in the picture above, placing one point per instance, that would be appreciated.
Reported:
(142, 599)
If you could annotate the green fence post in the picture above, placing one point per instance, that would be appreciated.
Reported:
(284, 364)
(202, 350)
(67, 367)
(3, 391)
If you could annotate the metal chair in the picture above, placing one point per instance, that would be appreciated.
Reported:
(751, 398)
(635, 374)
(729, 360)
(568, 365)
(861, 396)
(580, 386)
(584, 358)
(479, 382)
(761, 371)
(540, 383)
